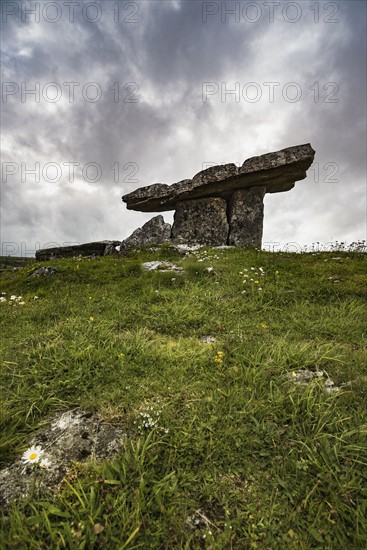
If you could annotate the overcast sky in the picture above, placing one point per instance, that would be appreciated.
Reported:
(126, 94)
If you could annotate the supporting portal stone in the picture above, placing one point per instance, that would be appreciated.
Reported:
(246, 215)
(202, 221)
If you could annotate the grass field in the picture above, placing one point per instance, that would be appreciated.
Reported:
(238, 455)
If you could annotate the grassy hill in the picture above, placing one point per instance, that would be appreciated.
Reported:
(238, 454)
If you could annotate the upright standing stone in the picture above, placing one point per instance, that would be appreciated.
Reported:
(202, 221)
(246, 214)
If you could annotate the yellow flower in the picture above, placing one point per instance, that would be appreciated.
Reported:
(263, 325)
(91, 318)
(219, 357)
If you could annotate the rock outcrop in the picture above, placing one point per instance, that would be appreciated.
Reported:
(153, 233)
(100, 248)
(48, 271)
(70, 436)
(223, 205)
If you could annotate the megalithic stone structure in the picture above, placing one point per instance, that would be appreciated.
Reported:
(224, 204)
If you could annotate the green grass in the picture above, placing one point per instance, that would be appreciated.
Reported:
(257, 461)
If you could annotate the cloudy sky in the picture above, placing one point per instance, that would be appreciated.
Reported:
(102, 97)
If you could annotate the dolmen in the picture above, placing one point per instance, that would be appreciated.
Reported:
(222, 205)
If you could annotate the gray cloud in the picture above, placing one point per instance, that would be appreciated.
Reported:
(170, 133)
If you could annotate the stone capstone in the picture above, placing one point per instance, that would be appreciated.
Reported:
(153, 233)
(99, 248)
(202, 221)
(246, 214)
(276, 171)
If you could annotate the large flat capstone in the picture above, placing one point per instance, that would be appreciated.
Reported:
(275, 172)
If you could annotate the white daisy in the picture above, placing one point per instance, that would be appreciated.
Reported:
(32, 455)
(45, 463)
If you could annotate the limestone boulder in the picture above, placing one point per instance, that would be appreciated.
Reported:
(48, 271)
(87, 249)
(153, 233)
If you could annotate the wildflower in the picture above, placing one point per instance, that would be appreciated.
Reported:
(19, 298)
(45, 463)
(2, 299)
(256, 282)
(32, 455)
(121, 355)
(259, 288)
(21, 303)
(173, 279)
(35, 298)
(12, 297)
(91, 318)
(219, 357)
(263, 325)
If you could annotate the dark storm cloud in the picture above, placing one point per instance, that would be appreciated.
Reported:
(170, 132)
